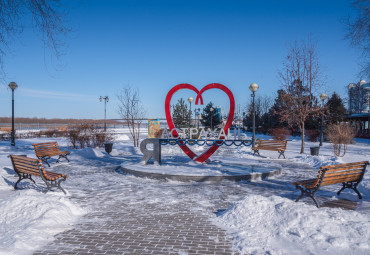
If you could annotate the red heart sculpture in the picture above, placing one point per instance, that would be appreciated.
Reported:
(203, 157)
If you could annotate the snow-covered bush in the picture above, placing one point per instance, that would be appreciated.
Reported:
(87, 135)
(279, 133)
(340, 135)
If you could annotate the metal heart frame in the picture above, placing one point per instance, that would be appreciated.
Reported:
(208, 153)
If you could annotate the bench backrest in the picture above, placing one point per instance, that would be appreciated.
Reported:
(22, 164)
(275, 144)
(343, 172)
(45, 148)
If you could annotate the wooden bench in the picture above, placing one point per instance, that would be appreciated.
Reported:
(26, 167)
(45, 151)
(6, 129)
(350, 175)
(62, 128)
(5, 133)
(270, 145)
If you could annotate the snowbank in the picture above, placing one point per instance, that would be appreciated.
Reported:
(276, 225)
(29, 219)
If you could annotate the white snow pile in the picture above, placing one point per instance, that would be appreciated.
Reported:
(276, 225)
(89, 153)
(318, 161)
(121, 137)
(29, 220)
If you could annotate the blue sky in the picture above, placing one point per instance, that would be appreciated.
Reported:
(155, 45)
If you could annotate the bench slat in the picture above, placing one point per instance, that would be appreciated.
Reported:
(344, 169)
(340, 179)
(349, 172)
(361, 163)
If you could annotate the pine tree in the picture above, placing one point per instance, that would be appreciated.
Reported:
(207, 115)
(181, 114)
(278, 106)
(336, 109)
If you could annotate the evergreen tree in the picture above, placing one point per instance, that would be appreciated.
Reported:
(248, 118)
(181, 114)
(336, 109)
(208, 114)
(271, 119)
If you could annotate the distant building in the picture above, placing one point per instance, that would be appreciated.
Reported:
(359, 107)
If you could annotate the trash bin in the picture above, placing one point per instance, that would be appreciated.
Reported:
(108, 147)
(315, 151)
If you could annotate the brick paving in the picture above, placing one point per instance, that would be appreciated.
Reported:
(129, 215)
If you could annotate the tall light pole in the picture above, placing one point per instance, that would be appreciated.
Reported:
(190, 100)
(196, 114)
(12, 85)
(323, 96)
(211, 115)
(106, 99)
(253, 87)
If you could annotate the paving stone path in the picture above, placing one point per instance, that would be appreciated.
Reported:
(129, 215)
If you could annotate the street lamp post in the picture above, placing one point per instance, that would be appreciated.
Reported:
(196, 113)
(190, 100)
(12, 85)
(211, 116)
(322, 97)
(253, 87)
(106, 99)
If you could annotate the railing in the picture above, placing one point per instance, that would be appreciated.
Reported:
(42, 126)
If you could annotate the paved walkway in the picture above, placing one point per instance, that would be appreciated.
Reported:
(129, 215)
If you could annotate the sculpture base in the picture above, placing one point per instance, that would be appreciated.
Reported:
(192, 171)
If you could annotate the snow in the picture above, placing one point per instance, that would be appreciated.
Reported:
(264, 221)
(276, 225)
(181, 166)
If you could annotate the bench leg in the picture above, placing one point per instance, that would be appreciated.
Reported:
(308, 193)
(60, 187)
(62, 156)
(22, 177)
(45, 160)
(51, 184)
(256, 151)
(350, 185)
(281, 153)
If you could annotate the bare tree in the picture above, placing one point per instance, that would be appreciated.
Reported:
(46, 17)
(359, 32)
(300, 77)
(131, 110)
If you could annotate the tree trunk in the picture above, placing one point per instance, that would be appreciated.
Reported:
(302, 136)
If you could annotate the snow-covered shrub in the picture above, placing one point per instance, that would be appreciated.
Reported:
(313, 134)
(87, 135)
(279, 133)
(340, 135)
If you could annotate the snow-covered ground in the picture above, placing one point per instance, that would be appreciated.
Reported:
(264, 222)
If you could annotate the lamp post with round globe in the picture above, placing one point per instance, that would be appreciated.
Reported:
(190, 100)
(253, 87)
(323, 96)
(12, 85)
